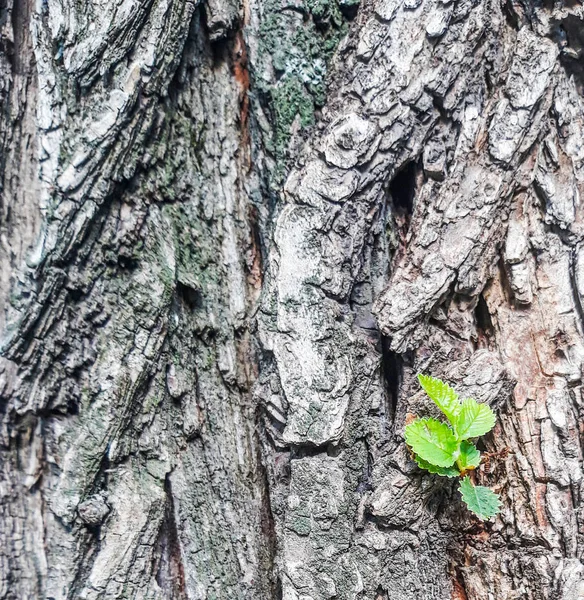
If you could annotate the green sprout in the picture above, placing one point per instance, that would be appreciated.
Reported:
(444, 449)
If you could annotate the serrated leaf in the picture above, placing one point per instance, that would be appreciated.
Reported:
(432, 441)
(470, 457)
(444, 471)
(474, 420)
(445, 398)
(482, 501)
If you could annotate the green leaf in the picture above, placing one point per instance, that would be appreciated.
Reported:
(482, 501)
(470, 457)
(445, 398)
(432, 441)
(444, 471)
(474, 419)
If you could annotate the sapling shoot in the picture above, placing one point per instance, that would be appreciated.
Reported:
(445, 448)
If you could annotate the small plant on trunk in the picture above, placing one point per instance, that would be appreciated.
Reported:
(445, 448)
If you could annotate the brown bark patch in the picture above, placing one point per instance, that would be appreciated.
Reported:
(241, 74)
(458, 592)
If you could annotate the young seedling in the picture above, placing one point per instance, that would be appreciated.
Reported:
(446, 449)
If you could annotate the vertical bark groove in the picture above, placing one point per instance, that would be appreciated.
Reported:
(218, 282)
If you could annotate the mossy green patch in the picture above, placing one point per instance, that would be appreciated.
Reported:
(298, 38)
(291, 99)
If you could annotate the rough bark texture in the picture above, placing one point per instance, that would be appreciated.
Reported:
(230, 236)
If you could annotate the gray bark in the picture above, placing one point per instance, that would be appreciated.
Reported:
(219, 277)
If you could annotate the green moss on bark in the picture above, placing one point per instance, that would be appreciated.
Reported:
(297, 41)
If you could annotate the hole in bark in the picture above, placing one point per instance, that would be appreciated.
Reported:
(349, 10)
(312, 450)
(170, 574)
(512, 16)
(127, 263)
(219, 37)
(569, 36)
(189, 295)
(75, 294)
(393, 372)
(72, 407)
(483, 321)
(402, 192)
(403, 189)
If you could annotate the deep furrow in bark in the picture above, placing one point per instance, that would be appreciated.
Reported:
(221, 282)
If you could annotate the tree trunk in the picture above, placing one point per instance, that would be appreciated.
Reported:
(219, 277)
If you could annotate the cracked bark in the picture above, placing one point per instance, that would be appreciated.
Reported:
(206, 372)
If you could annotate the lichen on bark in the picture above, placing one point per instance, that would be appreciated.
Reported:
(295, 43)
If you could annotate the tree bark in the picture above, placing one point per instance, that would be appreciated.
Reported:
(231, 236)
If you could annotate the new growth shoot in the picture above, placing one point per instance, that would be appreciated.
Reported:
(445, 448)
